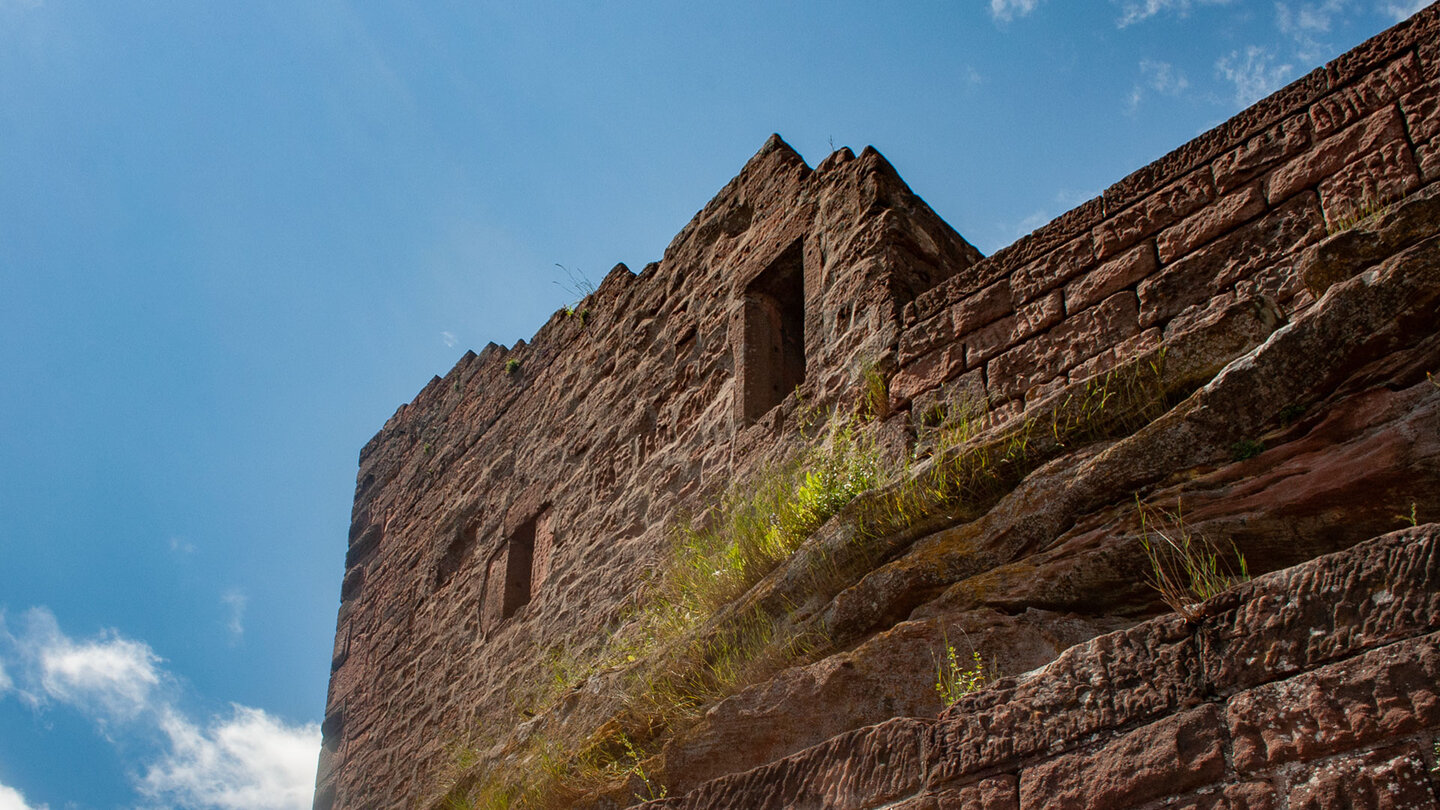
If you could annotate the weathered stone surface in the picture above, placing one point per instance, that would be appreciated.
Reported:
(1334, 153)
(1388, 779)
(1221, 216)
(617, 421)
(1054, 268)
(1379, 177)
(1157, 211)
(1374, 90)
(927, 372)
(1110, 277)
(1107, 683)
(1260, 152)
(862, 769)
(995, 793)
(1221, 264)
(1077, 338)
(1382, 695)
(1346, 253)
(1174, 755)
(1343, 600)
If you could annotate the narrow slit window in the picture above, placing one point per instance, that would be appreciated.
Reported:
(772, 354)
(518, 572)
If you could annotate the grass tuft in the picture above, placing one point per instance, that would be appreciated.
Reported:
(1185, 568)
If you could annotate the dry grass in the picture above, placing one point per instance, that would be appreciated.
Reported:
(1185, 568)
(683, 645)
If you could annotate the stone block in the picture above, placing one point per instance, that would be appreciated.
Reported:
(1224, 214)
(983, 307)
(1169, 757)
(1111, 681)
(1376, 89)
(995, 793)
(1159, 210)
(1344, 254)
(927, 372)
(1054, 268)
(1261, 151)
(1381, 695)
(1388, 779)
(1334, 153)
(1039, 315)
(861, 769)
(1110, 277)
(1377, 593)
(1073, 340)
(1378, 177)
(1221, 264)
(924, 337)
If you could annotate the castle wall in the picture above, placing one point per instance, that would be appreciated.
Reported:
(1219, 219)
(516, 504)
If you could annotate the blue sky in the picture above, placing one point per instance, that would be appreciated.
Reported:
(234, 237)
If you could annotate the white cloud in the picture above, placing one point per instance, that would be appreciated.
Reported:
(5, 683)
(107, 677)
(1404, 10)
(1163, 78)
(180, 545)
(12, 799)
(1007, 10)
(234, 601)
(449, 339)
(1255, 74)
(1132, 12)
(1306, 22)
(248, 761)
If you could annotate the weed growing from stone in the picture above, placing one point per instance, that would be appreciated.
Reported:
(1184, 567)
(1246, 449)
(1357, 214)
(874, 393)
(684, 647)
(512, 366)
(954, 680)
(1411, 519)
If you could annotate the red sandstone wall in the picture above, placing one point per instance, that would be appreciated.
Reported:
(1220, 218)
(569, 457)
(609, 428)
(1314, 687)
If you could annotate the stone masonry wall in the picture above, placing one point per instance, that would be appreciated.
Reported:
(517, 504)
(1220, 218)
(1313, 687)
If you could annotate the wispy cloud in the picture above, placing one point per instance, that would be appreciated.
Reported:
(1134, 11)
(1306, 23)
(1256, 73)
(1404, 10)
(247, 760)
(234, 601)
(5, 683)
(12, 799)
(449, 339)
(1157, 77)
(1007, 10)
(180, 545)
